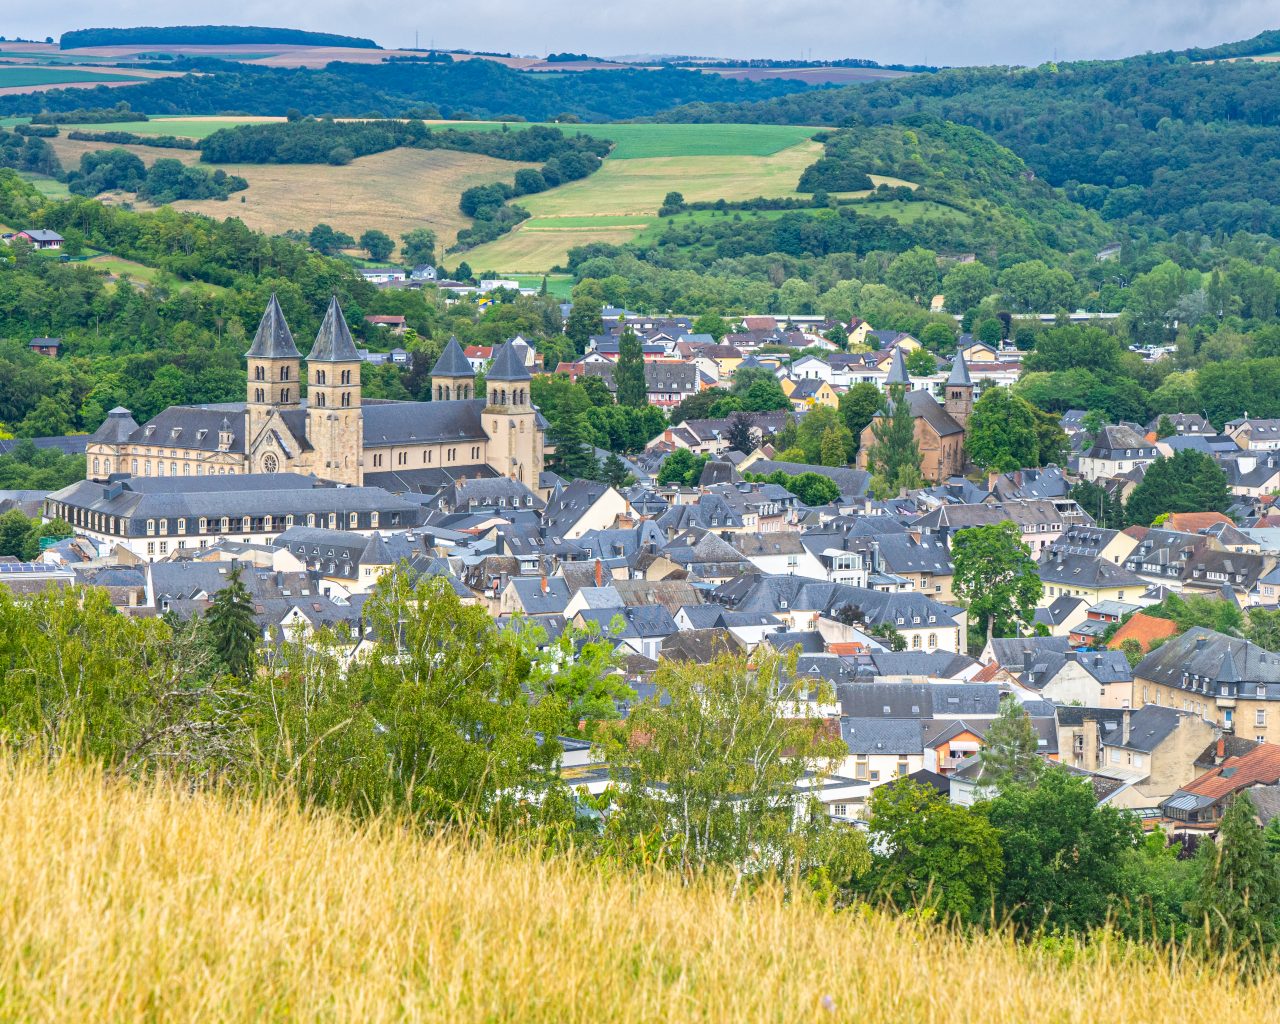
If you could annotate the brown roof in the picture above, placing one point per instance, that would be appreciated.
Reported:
(759, 323)
(1260, 765)
(1194, 522)
(1143, 628)
(986, 673)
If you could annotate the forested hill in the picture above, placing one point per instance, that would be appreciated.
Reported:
(207, 35)
(477, 87)
(1155, 140)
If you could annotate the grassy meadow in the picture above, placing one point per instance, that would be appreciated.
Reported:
(183, 127)
(21, 76)
(121, 902)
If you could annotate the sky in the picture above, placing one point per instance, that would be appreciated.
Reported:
(952, 32)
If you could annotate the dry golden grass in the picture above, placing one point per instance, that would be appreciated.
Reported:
(122, 903)
(70, 150)
(394, 191)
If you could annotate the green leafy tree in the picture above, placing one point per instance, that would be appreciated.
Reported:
(712, 324)
(834, 446)
(937, 337)
(990, 331)
(681, 467)
(965, 285)
(1011, 748)
(230, 629)
(1002, 434)
(1197, 610)
(741, 437)
(1238, 899)
(914, 273)
(629, 374)
(858, 407)
(418, 247)
(895, 457)
(378, 244)
(996, 577)
(1063, 853)
(931, 854)
(584, 322)
(921, 363)
(1264, 628)
(711, 776)
(1165, 427)
(1190, 481)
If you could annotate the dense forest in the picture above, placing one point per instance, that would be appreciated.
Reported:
(207, 35)
(1153, 141)
(480, 88)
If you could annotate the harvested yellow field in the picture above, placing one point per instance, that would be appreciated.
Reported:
(635, 189)
(121, 903)
(70, 150)
(394, 191)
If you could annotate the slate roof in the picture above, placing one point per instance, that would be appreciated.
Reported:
(898, 368)
(118, 427)
(452, 362)
(882, 736)
(1205, 660)
(959, 373)
(333, 340)
(395, 423)
(1150, 726)
(852, 482)
(273, 339)
(507, 365)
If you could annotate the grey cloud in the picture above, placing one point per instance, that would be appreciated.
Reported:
(905, 31)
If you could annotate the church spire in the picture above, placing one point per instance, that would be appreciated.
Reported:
(333, 340)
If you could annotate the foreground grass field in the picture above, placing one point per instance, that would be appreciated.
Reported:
(131, 904)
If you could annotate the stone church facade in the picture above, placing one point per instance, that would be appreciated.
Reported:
(334, 432)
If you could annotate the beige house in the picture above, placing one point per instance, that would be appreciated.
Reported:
(1155, 752)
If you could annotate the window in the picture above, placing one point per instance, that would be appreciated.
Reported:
(353, 520)
(311, 519)
(902, 768)
(860, 768)
(933, 641)
(151, 547)
(915, 642)
(225, 524)
(151, 527)
(1259, 718)
(373, 520)
(164, 526)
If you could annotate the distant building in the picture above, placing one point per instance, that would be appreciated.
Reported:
(45, 346)
(41, 238)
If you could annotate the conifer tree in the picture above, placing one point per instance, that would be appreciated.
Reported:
(895, 456)
(632, 389)
(230, 628)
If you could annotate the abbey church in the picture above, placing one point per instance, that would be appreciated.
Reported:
(333, 432)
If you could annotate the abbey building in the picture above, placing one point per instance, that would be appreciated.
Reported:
(333, 432)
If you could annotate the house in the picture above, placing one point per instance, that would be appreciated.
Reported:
(1198, 806)
(1115, 451)
(45, 346)
(382, 275)
(423, 272)
(1092, 578)
(394, 324)
(807, 393)
(583, 506)
(1233, 683)
(1252, 475)
(1155, 750)
(1096, 679)
(1254, 434)
(42, 238)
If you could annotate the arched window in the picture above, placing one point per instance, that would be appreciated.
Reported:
(346, 398)
(353, 520)
(311, 519)
(151, 527)
(225, 524)
(284, 373)
(244, 523)
(95, 466)
(259, 372)
(284, 395)
(257, 394)
(346, 376)
(320, 399)
(319, 376)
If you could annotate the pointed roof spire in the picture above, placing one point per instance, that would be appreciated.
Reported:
(452, 361)
(376, 552)
(273, 340)
(333, 341)
(959, 373)
(898, 370)
(507, 365)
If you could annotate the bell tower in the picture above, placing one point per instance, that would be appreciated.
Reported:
(959, 400)
(335, 422)
(452, 378)
(515, 445)
(274, 370)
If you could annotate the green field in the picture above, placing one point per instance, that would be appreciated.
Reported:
(182, 127)
(15, 76)
(51, 188)
(146, 276)
(641, 141)
(559, 286)
(621, 200)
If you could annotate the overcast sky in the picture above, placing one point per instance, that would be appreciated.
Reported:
(891, 31)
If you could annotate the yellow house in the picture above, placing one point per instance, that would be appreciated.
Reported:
(1094, 579)
(858, 331)
(805, 394)
(908, 345)
(980, 352)
(726, 357)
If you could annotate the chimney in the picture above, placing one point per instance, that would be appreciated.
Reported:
(1026, 661)
(1073, 655)
(1221, 753)
(1200, 642)
(1124, 729)
(544, 584)
(599, 575)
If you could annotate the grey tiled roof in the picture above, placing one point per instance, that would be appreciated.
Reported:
(273, 339)
(452, 362)
(333, 341)
(397, 423)
(507, 365)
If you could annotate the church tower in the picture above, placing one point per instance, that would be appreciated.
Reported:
(274, 370)
(515, 446)
(335, 422)
(959, 401)
(452, 378)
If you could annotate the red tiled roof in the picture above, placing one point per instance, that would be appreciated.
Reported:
(1194, 522)
(986, 673)
(1143, 628)
(1260, 765)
